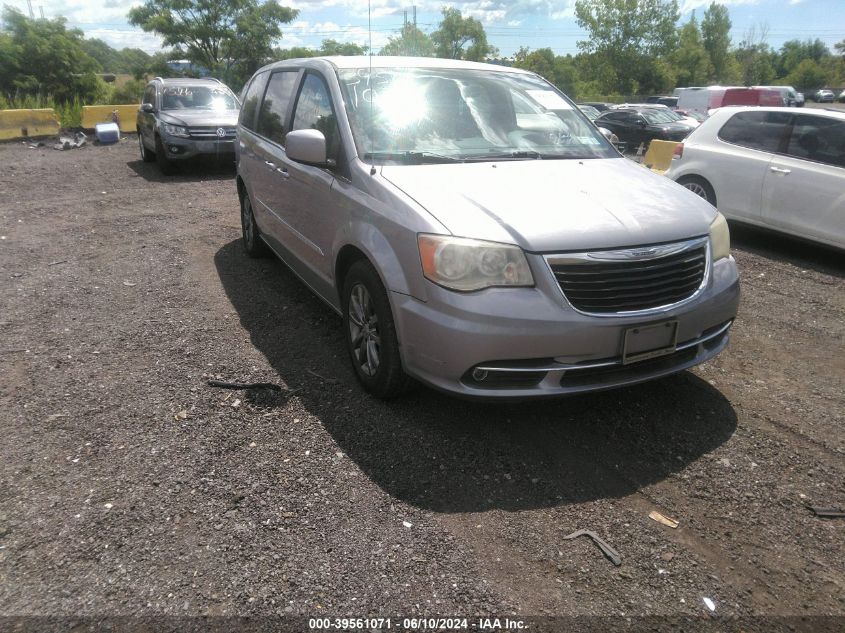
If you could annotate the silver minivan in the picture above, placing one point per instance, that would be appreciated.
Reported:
(475, 231)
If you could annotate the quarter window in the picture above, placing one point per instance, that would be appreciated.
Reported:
(272, 118)
(314, 112)
(252, 97)
(820, 139)
(762, 131)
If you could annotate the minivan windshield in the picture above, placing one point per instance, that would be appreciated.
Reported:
(411, 115)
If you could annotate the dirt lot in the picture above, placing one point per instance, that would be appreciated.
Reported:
(123, 291)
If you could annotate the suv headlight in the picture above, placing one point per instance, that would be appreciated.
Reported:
(462, 264)
(720, 237)
(176, 130)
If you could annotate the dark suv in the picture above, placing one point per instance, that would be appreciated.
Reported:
(183, 118)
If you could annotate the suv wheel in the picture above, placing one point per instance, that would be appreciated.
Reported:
(146, 155)
(166, 165)
(371, 333)
(699, 187)
(253, 244)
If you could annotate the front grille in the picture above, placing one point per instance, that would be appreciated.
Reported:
(604, 287)
(210, 132)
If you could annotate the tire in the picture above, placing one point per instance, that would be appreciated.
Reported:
(370, 333)
(165, 165)
(253, 244)
(700, 187)
(146, 155)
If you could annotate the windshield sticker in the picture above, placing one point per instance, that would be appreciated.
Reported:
(587, 140)
(549, 99)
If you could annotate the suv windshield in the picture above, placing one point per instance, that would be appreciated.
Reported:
(201, 97)
(659, 116)
(436, 114)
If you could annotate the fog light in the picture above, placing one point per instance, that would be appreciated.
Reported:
(479, 375)
(174, 149)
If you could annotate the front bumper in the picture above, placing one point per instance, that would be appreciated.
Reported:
(532, 343)
(181, 148)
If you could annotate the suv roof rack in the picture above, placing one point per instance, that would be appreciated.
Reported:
(161, 79)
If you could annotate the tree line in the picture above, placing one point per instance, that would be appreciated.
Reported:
(632, 47)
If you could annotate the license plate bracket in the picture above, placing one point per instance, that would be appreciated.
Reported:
(649, 341)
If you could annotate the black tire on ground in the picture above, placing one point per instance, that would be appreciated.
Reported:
(253, 244)
(700, 187)
(165, 165)
(146, 155)
(370, 333)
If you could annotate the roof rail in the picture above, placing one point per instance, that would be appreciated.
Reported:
(214, 79)
(158, 79)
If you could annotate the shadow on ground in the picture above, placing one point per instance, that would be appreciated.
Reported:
(780, 247)
(449, 455)
(194, 170)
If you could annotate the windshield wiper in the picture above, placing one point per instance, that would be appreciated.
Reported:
(516, 154)
(412, 157)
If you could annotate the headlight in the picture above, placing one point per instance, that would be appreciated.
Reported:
(462, 264)
(176, 130)
(720, 237)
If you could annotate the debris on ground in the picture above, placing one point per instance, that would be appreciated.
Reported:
(611, 553)
(710, 604)
(67, 142)
(654, 515)
(247, 385)
(827, 513)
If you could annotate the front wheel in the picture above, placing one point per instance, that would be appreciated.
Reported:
(371, 333)
(699, 187)
(253, 244)
(146, 155)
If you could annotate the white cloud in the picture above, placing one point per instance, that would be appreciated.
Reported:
(691, 5)
(126, 38)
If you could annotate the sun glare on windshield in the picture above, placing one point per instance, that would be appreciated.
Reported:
(402, 104)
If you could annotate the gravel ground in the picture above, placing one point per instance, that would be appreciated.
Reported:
(130, 487)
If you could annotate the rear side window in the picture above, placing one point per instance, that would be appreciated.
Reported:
(251, 98)
(820, 139)
(272, 118)
(762, 131)
(314, 112)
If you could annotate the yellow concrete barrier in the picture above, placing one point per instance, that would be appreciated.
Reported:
(28, 123)
(659, 155)
(91, 115)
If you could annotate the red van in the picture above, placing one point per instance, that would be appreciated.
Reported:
(751, 97)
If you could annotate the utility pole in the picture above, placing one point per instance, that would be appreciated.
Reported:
(41, 8)
(31, 14)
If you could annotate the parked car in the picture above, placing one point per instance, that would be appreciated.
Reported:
(700, 99)
(763, 165)
(180, 119)
(601, 106)
(841, 97)
(799, 100)
(465, 251)
(823, 96)
(669, 102)
(642, 125)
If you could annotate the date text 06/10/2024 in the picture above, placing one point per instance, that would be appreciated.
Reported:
(416, 624)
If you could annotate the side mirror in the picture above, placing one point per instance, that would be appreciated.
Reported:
(306, 146)
(147, 107)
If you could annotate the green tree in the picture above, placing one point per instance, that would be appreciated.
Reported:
(43, 57)
(756, 59)
(808, 75)
(409, 41)
(715, 33)
(558, 69)
(840, 46)
(627, 37)
(461, 38)
(229, 37)
(690, 60)
(333, 47)
(793, 52)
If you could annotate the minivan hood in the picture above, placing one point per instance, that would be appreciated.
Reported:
(192, 117)
(555, 205)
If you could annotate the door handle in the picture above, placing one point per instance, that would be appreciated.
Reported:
(283, 172)
(269, 164)
(780, 170)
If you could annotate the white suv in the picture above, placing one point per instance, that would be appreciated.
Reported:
(763, 165)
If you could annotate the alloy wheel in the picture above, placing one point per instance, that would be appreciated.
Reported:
(364, 331)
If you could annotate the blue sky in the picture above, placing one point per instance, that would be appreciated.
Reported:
(509, 24)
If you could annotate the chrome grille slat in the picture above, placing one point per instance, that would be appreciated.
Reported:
(607, 283)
